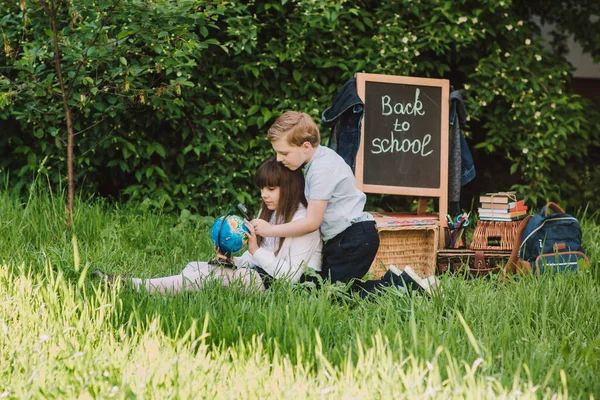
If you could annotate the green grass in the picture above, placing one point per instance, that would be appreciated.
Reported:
(66, 335)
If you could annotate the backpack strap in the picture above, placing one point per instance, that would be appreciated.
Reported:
(552, 206)
(514, 264)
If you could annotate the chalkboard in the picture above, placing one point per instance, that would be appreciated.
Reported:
(404, 138)
(402, 135)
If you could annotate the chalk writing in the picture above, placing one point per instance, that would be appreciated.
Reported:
(417, 146)
(393, 145)
(402, 108)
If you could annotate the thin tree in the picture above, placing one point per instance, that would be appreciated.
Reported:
(51, 9)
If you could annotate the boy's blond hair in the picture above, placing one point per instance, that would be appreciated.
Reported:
(297, 127)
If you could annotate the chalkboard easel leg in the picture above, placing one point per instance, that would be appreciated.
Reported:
(422, 207)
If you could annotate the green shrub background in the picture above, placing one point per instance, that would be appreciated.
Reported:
(172, 100)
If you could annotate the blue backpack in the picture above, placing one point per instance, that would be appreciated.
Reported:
(548, 242)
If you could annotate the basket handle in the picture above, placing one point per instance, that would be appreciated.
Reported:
(513, 262)
(552, 206)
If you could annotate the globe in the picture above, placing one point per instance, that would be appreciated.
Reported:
(229, 234)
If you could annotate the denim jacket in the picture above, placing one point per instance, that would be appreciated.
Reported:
(345, 118)
(457, 107)
(460, 163)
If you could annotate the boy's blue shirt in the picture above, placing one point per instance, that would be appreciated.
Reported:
(329, 178)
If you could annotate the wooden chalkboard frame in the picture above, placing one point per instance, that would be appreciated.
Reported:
(441, 193)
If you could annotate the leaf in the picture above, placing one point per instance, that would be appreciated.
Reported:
(160, 150)
(266, 114)
(160, 172)
(359, 25)
(123, 60)
(122, 34)
(252, 110)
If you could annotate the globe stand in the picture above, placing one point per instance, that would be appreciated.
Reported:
(228, 255)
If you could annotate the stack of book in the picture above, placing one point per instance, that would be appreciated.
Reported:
(501, 206)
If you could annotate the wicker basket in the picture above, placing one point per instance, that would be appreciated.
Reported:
(490, 235)
(487, 262)
(407, 245)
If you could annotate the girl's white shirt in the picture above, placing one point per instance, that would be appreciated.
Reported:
(296, 254)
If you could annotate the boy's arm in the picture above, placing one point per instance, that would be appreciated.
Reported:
(314, 216)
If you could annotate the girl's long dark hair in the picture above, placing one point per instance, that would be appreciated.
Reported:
(291, 192)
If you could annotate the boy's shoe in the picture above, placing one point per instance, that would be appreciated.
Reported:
(434, 282)
(112, 279)
(423, 283)
(409, 279)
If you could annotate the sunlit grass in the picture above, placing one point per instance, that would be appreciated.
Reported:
(65, 335)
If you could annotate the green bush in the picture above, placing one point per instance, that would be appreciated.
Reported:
(172, 99)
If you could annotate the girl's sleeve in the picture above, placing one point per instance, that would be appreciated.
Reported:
(291, 261)
(245, 260)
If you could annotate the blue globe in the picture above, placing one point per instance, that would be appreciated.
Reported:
(229, 234)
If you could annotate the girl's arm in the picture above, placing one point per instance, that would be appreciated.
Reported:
(291, 262)
(247, 258)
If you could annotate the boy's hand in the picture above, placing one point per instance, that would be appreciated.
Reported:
(252, 243)
(261, 227)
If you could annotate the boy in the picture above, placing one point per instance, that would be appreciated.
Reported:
(335, 205)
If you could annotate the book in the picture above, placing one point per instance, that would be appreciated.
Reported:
(499, 197)
(500, 219)
(500, 213)
(512, 206)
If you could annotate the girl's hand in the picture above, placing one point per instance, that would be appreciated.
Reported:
(222, 257)
(252, 243)
(261, 227)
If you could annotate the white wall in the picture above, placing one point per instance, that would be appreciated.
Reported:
(583, 63)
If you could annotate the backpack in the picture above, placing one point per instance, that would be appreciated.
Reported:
(547, 242)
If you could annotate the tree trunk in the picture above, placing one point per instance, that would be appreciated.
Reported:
(51, 11)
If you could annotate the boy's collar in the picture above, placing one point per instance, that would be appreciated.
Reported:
(307, 163)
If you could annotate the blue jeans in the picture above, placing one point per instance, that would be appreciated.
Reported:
(349, 255)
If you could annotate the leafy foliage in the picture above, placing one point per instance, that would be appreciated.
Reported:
(173, 98)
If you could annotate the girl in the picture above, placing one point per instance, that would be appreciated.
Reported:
(267, 258)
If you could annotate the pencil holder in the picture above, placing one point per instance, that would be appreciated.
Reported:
(455, 238)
